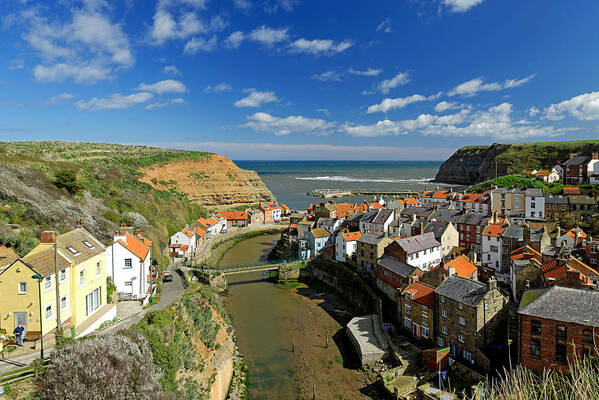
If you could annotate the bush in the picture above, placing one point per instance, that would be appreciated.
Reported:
(109, 367)
(67, 179)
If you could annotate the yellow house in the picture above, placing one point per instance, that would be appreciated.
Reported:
(87, 256)
(20, 295)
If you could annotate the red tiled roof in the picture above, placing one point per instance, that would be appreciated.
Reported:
(441, 194)
(233, 215)
(421, 293)
(352, 236)
(572, 190)
(494, 230)
(376, 206)
(135, 246)
(525, 253)
(184, 247)
(475, 198)
(293, 226)
(344, 209)
(200, 231)
(428, 194)
(145, 241)
(188, 232)
(462, 266)
(412, 201)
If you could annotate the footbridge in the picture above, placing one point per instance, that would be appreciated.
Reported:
(243, 268)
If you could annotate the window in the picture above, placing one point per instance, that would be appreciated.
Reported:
(461, 321)
(408, 309)
(407, 322)
(467, 355)
(424, 319)
(425, 331)
(441, 341)
(49, 311)
(442, 299)
(93, 301)
(63, 302)
(22, 287)
(72, 250)
(494, 249)
(561, 332)
(535, 348)
(460, 306)
(63, 275)
(587, 336)
(424, 309)
(98, 268)
(128, 263)
(444, 313)
(81, 278)
(444, 330)
(48, 282)
(560, 353)
(461, 337)
(88, 244)
(535, 327)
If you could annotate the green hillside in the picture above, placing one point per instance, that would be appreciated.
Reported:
(50, 185)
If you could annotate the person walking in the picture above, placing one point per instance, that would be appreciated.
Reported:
(19, 334)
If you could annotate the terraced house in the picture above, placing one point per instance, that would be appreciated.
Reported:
(509, 202)
(416, 310)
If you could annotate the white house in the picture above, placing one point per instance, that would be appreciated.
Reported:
(346, 245)
(185, 237)
(573, 238)
(421, 251)
(318, 239)
(330, 224)
(593, 169)
(492, 246)
(128, 261)
(535, 204)
(559, 170)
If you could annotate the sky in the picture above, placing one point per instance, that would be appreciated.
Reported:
(297, 79)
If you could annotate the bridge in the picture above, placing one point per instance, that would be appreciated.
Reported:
(243, 268)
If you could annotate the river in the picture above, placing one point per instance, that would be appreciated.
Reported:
(268, 318)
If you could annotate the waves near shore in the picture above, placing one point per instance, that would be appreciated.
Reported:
(340, 178)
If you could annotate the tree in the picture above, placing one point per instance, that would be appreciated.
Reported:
(67, 179)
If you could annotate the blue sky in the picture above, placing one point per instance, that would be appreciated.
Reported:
(293, 79)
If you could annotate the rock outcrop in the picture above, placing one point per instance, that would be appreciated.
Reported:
(473, 164)
(213, 181)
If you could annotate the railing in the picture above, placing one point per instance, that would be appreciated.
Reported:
(274, 264)
(20, 374)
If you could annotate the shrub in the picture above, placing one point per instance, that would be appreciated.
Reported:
(67, 179)
(109, 367)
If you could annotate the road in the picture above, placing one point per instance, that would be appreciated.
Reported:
(171, 291)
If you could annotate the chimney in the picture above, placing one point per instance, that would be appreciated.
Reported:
(526, 236)
(48, 237)
(79, 223)
(572, 155)
(595, 156)
(451, 271)
(474, 258)
(120, 235)
(492, 283)
(558, 232)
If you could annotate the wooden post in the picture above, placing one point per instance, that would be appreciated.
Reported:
(292, 345)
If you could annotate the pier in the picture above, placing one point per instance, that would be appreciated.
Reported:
(338, 193)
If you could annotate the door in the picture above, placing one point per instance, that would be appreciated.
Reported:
(21, 318)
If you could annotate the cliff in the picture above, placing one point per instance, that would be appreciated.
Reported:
(473, 164)
(213, 181)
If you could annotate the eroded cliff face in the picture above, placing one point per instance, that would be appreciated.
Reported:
(473, 164)
(214, 182)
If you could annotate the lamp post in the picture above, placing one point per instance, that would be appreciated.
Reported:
(39, 286)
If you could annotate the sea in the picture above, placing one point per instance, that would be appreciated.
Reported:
(290, 181)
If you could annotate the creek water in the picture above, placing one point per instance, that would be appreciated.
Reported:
(260, 312)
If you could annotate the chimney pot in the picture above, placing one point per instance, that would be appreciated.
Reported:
(48, 237)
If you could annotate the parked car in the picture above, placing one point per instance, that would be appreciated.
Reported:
(168, 277)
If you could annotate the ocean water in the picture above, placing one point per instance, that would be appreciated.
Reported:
(291, 180)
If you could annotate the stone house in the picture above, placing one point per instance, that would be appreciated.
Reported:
(368, 250)
(366, 221)
(393, 274)
(509, 202)
(255, 217)
(416, 310)
(303, 228)
(419, 213)
(557, 326)
(460, 266)
(569, 271)
(575, 170)
(381, 222)
(557, 208)
(582, 207)
(330, 224)
(437, 196)
(234, 218)
(470, 316)
(325, 210)
(592, 251)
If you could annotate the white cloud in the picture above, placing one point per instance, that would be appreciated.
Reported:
(367, 72)
(327, 76)
(400, 102)
(273, 6)
(268, 36)
(584, 107)
(61, 98)
(495, 122)
(256, 99)
(196, 45)
(446, 105)
(263, 122)
(165, 104)
(165, 86)
(473, 86)
(80, 43)
(319, 46)
(242, 4)
(385, 26)
(221, 87)
(400, 79)
(113, 102)
(171, 70)
(235, 39)
(459, 6)
(533, 111)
